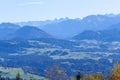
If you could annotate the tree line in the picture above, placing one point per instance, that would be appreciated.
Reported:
(57, 73)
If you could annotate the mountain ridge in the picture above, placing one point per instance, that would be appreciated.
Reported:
(67, 28)
(30, 32)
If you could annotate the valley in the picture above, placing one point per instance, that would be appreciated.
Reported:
(36, 55)
(88, 45)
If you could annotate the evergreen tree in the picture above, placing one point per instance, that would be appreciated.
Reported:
(18, 76)
(78, 77)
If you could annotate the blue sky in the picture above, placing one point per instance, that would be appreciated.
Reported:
(35, 10)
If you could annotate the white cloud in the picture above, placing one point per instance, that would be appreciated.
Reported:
(31, 3)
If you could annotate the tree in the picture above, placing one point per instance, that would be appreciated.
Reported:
(115, 74)
(18, 76)
(78, 77)
(56, 73)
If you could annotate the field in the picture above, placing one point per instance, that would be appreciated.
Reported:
(11, 73)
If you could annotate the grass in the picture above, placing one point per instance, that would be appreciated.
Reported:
(11, 73)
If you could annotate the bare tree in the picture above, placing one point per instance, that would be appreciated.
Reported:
(56, 73)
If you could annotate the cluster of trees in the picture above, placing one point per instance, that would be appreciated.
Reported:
(114, 75)
(57, 73)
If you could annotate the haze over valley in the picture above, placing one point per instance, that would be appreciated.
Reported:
(59, 40)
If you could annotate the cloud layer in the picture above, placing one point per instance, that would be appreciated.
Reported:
(31, 3)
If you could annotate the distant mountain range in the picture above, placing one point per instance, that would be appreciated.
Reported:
(11, 31)
(41, 23)
(91, 27)
(111, 34)
(67, 28)
(64, 29)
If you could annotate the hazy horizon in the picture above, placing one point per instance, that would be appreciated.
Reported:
(57, 18)
(41, 10)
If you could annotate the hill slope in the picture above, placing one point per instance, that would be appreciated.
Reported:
(103, 35)
(30, 32)
(6, 29)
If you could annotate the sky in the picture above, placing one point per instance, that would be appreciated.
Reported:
(36, 10)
